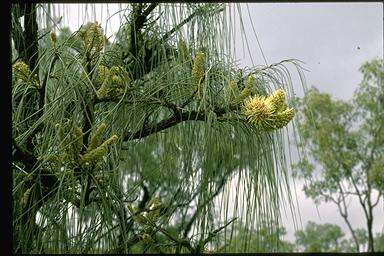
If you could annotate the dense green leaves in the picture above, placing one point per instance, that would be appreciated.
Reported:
(343, 156)
(117, 147)
(260, 240)
(319, 238)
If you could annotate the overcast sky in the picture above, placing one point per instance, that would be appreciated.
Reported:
(332, 39)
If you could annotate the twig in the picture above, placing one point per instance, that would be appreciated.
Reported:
(201, 206)
(185, 21)
(182, 242)
(214, 233)
(23, 156)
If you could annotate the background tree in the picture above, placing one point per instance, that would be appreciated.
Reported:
(123, 146)
(319, 238)
(259, 239)
(343, 147)
(379, 242)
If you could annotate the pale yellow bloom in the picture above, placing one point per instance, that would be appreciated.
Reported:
(231, 91)
(184, 53)
(25, 197)
(277, 99)
(53, 37)
(278, 120)
(247, 89)
(257, 109)
(103, 72)
(97, 153)
(113, 81)
(198, 72)
(268, 113)
(95, 140)
(78, 136)
(198, 69)
(21, 70)
(92, 38)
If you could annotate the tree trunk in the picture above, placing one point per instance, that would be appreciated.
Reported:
(370, 221)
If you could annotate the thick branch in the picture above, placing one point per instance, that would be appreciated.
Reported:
(181, 116)
(40, 111)
(23, 156)
(150, 8)
(26, 42)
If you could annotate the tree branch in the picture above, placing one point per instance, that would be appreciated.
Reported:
(26, 42)
(185, 21)
(23, 156)
(211, 235)
(201, 206)
(172, 121)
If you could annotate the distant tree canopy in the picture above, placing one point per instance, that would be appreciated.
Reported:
(124, 146)
(344, 149)
(260, 239)
(319, 238)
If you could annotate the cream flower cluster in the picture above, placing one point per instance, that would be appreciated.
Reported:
(268, 113)
(113, 79)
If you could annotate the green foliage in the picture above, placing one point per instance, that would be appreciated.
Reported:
(263, 239)
(124, 147)
(379, 242)
(329, 238)
(343, 154)
(319, 238)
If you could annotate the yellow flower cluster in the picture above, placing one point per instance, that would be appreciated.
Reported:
(72, 143)
(53, 38)
(21, 70)
(92, 38)
(198, 72)
(77, 134)
(96, 149)
(25, 197)
(22, 73)
(113, 81)
(268, 113)
(97, 153)
(96, 138)
(231, 91)
(183, 49)
(247, 89)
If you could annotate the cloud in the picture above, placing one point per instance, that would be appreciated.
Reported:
(326, 36)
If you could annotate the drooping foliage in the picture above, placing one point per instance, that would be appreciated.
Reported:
(124, 146)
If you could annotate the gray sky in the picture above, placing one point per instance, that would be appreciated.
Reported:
(326, 36)
(333, 39)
